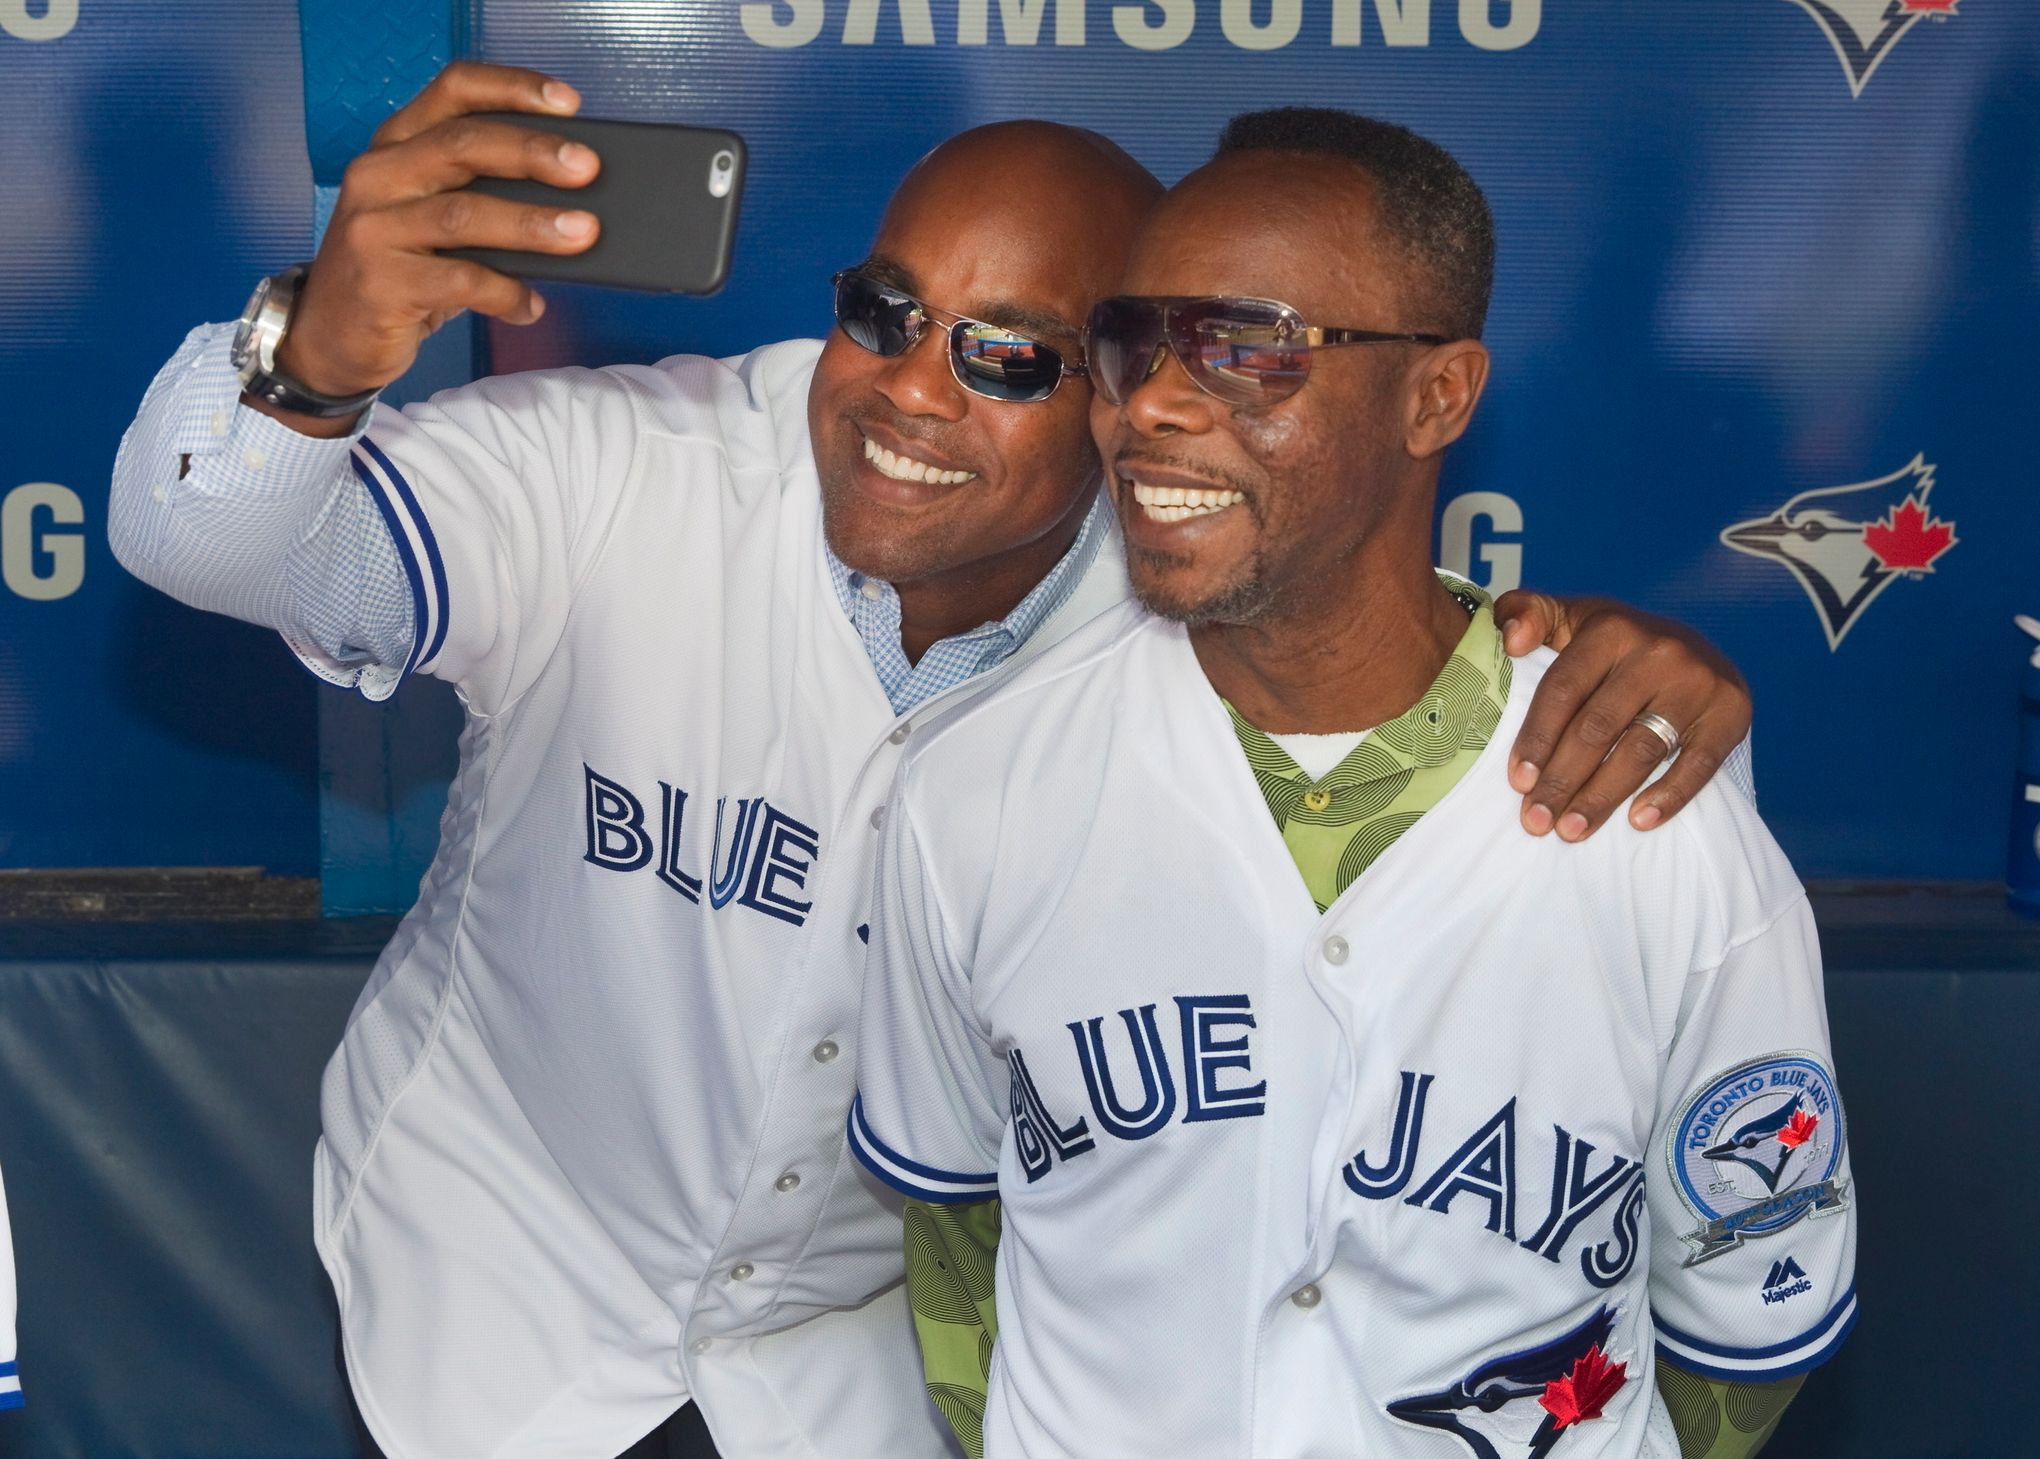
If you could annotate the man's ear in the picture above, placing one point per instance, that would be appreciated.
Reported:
(1445, 386)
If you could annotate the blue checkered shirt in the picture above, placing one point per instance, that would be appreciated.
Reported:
(874, 610)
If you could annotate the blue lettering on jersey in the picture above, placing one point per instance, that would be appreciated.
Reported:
(1157, 1087)
(763, 866)
(1483, 1167)
(1217, 1078)
(1036, 1134)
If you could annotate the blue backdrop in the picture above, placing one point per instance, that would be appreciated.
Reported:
(151, 167)
(1767, 273)
(1749, 250)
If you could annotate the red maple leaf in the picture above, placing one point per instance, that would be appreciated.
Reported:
(1584, 1392)
(1930, 7)
(1910, 538)
(1799, 1130)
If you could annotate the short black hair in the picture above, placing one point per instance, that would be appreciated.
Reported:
(1431, 210)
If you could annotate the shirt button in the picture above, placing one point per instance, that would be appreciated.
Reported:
(159, 493)
(256, 459)
(899, 735)
(1307, 1296)
(219, 422)
(787, 1182)
(872, 589)
(1336, 949)
(1317, 800)
(877, 818)
(743, 1271)
(699, 1346)
(825, 1053)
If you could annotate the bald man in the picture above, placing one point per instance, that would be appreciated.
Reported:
(583, 1158)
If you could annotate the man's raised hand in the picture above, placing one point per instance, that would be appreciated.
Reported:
(379, 286)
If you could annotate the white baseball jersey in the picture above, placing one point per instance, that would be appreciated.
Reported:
(583, 1150)
(10, 1377)
(1430, 1174)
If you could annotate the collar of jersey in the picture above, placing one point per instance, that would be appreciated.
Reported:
(961, 656)
(1457, 713)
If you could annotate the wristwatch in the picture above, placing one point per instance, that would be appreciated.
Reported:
(261, 330)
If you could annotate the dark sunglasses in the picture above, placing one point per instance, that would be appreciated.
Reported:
(1244, 351)
(987, 359)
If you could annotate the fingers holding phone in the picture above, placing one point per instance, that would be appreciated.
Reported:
(381, 283)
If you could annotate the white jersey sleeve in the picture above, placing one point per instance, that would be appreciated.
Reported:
(1751, 1199)
(10, 1378)
(498, 496)
(928, 1118)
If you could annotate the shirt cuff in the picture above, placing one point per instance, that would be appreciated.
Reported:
(211, 420)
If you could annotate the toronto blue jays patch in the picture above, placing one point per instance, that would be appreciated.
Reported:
(1756, 1151)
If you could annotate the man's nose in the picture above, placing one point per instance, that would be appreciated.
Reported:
(1167, 401)
(919, 380)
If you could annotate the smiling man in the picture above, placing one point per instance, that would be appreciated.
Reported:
(583, 1156)
(1327, 1117)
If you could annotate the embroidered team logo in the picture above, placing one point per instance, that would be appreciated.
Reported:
(1756, 1151)
(1863, 32)
(1847, 544)
(1520, 1405)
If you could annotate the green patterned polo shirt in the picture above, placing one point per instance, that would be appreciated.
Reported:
(1336, 827)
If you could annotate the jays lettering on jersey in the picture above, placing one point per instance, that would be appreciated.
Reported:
(1437, 1172)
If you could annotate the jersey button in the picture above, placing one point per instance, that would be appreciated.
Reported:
(699, 1346)
(1336, 949)
(878, 818)
(826, 1051)
(787, 1182)
(899, 736)
(1307, 1296)
(743, 1271)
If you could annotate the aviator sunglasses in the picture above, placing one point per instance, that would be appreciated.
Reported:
(1247, 352)
(987, 359)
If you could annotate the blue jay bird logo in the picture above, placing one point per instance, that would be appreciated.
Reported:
(1763, 1145)
(1758, 1149)
(1863, 32)
(1846, 544)
(1519, 1405)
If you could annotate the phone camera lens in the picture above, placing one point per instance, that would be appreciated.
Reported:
(722, 174)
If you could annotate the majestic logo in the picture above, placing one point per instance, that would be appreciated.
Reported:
(1863, 32)
(1757, 1150)
(1846, 544)
(1570, 1379)
(1787, 1279)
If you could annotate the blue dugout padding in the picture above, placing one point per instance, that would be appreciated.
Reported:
(160, 1085)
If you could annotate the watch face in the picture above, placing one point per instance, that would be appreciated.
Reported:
(244, 333)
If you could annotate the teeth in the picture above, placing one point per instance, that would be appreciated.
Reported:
(906, 468)
(1177, 503)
